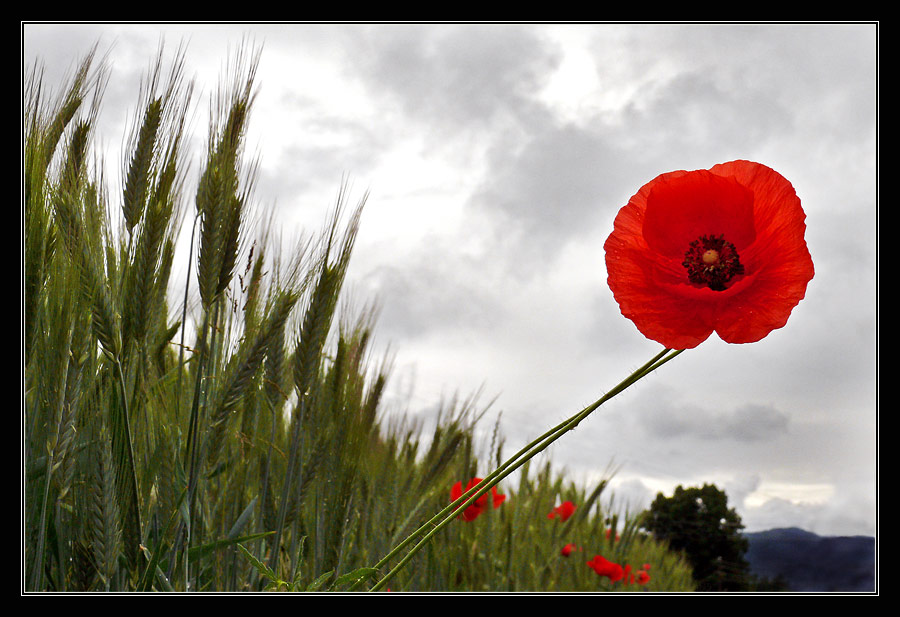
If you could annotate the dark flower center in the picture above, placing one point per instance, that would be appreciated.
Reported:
(711, 261)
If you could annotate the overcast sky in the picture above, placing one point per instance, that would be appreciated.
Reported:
(496, 157)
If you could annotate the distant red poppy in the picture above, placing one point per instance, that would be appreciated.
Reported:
(479, 505)
(642, 577)
(497, 498)
(710, 250)
(568, 548)
(563, 511)
(608, 535)
(604, 567)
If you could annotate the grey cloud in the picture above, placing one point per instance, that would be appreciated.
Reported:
(315, 169)
(740, 488)
(829, 518)
(458, 76)
(755, 423)
(661, 417)
(553, 188)
(632, 493)
(431, 293)
(701, 91)
(693, 113)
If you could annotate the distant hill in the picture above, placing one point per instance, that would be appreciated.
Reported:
(809, 562)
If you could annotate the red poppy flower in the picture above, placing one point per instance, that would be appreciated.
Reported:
(710, 250)
(568, 548)
(642, 577)
(604, 567)
(563, 511)
(609, 535)
(478, 506)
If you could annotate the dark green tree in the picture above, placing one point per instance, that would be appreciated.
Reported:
(698, 522)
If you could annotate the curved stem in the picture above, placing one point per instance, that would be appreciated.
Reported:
(512, 464)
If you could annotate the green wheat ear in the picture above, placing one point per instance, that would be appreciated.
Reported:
(137, 178)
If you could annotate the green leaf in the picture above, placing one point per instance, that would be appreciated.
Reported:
(262, 568)
(319, 582)
(200, 551)
(242, 520)
(359, 574)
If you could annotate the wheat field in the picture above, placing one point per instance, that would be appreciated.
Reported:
(226, 433)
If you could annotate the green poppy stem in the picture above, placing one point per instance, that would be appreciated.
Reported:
(447, 514)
